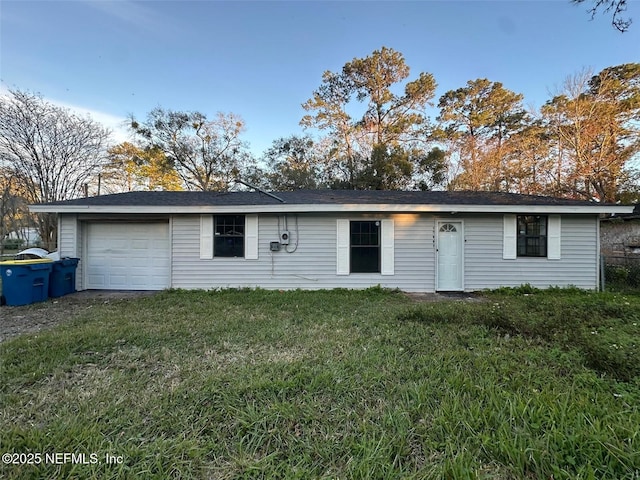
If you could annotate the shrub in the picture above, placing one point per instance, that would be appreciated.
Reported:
(623, 276)
(524, 289)
(616, 274)
(12, 243)
(633, 276)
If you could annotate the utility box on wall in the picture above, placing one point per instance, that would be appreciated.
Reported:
(274, 246)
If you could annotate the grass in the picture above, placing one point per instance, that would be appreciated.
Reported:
(331, 384)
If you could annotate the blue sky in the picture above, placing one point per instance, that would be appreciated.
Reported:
(262, 60)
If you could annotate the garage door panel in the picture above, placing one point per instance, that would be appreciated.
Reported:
(119, 244)
(98, 281)
(128, 256)
(117, 282)
(98, 261)
(157, 244)
(100, 246)
(118, 270)
(140, 244)
(139, 262)
(118, 261)
(141, 283)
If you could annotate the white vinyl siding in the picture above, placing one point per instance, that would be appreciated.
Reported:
(68, 236)
(485, 267)
(69, 242)
(314, 264)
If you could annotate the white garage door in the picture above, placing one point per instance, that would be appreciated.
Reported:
(127, 256)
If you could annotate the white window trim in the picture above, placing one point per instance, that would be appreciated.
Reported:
(206, 237)
(387, 247)
(510, 237)
(343, 246)
(343, 242)
(553, 237)
(250, 237)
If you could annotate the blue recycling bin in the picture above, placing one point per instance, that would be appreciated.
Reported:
(62, 280)
(25, 281)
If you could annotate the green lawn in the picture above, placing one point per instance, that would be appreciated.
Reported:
(330, 384)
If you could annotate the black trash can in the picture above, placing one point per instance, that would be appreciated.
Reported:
(62, 280)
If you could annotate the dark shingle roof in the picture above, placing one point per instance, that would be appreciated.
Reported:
(428, 198)
(315, 197)
(172, 199)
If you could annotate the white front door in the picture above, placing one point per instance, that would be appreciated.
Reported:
(449, 254)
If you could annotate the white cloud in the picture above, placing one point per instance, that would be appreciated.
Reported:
(117, 125)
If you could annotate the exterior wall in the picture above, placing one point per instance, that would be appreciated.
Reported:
(70, 242)
(620, 237)
(313, 264)
(485, 267)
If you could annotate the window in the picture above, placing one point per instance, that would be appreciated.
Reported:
(365, 246)
(228, 231)
(532, 236)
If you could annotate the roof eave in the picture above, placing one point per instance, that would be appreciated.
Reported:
(333, 208)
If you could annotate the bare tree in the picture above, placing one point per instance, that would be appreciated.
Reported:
(50, 151)
(12, 208)
(207, 154)
(594, 131)
(615, 7)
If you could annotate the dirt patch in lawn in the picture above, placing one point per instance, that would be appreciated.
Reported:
(447, 297)
(16, 321)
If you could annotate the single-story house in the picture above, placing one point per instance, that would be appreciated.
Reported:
(314, 239)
